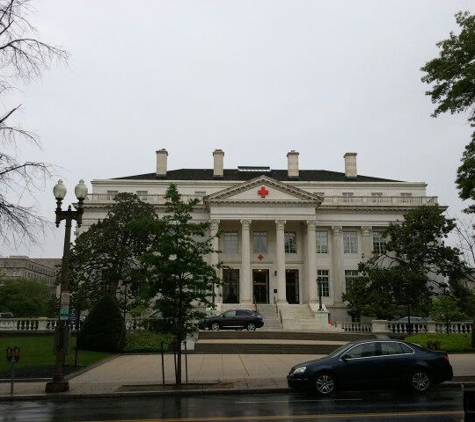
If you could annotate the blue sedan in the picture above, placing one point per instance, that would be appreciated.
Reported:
(372, 364)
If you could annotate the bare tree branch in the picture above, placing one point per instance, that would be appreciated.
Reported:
(22, 56)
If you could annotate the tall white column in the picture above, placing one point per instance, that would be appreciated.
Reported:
(337, 277)
(280, 255)
(214, 260)
(366, 247)
(312, 261)
(245, 282)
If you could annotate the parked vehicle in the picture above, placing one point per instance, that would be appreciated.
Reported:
(233, 319)
(413, 319)
(372, 364)
(6, 315)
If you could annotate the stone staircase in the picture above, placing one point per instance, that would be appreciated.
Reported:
(272, 342)
(270, 316)
(302, 318)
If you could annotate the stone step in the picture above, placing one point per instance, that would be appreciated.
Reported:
(261, 334)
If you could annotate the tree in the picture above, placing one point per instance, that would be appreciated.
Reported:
(179, 280)
(25, 298)
(22, 57)
(445, 309)
(452, 76)
(104, 329)
(105, 258)
(416, 262)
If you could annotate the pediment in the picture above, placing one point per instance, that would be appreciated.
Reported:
(263, 190)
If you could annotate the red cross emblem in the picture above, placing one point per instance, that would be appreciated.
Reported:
(263, 192)
(260, 257)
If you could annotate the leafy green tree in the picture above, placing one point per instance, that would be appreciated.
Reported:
(453, 90)
(446, 309)
(104, 329)
(25, 298)
(179, 278)
(105, 258)
(415, 263)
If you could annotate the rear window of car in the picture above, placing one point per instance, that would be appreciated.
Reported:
(391, 348)
(243, 313)
(362, 351)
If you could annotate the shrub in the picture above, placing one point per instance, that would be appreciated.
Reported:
(446, 342)
(146, 341)
(104, 329)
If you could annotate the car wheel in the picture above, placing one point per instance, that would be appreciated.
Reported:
(215, 326)
(251, 326)
(325, 384)
(419, 381)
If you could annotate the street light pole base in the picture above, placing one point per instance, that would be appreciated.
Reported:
(57, 386)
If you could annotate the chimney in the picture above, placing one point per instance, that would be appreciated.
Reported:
(293, 164)
(350, 165)
(218, 155)
(162, 155)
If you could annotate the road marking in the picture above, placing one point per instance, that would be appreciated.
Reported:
(296, 401)
(297, 417)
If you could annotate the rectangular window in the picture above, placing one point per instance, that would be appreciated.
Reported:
(230, 242)
(322, 241)
(230, 285)
(324, 278)
(350, 242)
(290, 243)
(376, 196)
(347, 196)
(379, 243)
(349, 274)
(260, 242)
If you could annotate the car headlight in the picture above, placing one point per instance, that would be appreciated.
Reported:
(299, 370)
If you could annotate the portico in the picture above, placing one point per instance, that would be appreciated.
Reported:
(272, 227)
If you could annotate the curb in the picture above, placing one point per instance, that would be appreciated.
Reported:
(171, 393)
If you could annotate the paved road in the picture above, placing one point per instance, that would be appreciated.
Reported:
(440, 405)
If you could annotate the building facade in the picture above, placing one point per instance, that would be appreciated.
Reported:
(280, 230)
(18, 267)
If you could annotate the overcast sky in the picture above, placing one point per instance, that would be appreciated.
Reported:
(254, 78)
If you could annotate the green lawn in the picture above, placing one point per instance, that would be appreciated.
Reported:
(447, 342)
(37, 351)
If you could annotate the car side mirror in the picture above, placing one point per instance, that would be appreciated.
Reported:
(344, 358)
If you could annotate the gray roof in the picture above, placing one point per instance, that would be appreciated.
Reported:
(242, 175)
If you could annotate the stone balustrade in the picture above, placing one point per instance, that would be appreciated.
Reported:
(397, 327)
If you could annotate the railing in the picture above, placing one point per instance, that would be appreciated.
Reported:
(380, 200)
(397, 327)
(355, 327)
(151, 199)
(43, 324)
(327, 200)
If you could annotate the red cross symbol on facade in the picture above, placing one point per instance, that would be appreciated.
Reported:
(263, 192)
(260, 257)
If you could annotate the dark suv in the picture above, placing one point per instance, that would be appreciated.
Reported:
(234, 319)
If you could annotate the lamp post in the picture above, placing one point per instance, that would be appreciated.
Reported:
(58, 384)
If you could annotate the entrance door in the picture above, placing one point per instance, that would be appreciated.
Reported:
(260, 286)
(292, 286)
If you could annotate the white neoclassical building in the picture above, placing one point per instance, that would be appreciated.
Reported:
(280, 230)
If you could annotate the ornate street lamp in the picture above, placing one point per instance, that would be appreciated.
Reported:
(58, 384)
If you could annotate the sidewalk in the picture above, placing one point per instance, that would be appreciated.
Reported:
(141, 374)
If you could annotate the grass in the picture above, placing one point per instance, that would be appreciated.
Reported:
(447, 342)
(37, 351)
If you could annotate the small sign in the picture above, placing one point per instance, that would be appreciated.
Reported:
(65, 298)
(64, 313)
